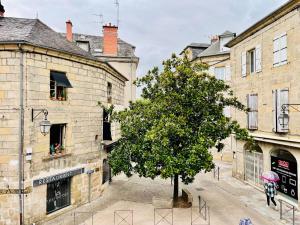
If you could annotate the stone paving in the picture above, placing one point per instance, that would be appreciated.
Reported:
(229, 201)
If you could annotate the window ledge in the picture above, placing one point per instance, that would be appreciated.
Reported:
(56, 156)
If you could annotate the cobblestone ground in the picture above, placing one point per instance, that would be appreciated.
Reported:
(229, 201)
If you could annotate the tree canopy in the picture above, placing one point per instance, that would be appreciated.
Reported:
(170, 130)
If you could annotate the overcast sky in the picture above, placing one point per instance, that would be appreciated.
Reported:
(156, 27)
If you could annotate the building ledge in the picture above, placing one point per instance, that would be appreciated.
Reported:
(56, 156)
(292, 142)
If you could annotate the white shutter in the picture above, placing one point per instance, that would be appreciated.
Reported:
(274, 96)
(258, 58)
(276, 51)
(211, 70)
(283, 47)
(228, 73)
(244, 64)
(282, 99)
(252, 115)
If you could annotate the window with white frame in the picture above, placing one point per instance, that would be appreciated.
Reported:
(59, 83)
(222, 73)
(252, 102)
(251, 61)
(280, 50)
(280, 97)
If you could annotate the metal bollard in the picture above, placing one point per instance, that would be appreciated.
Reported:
(218, 173)
(280, 209)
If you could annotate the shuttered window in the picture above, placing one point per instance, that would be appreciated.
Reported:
(220, 73)
(252, 100)
(258, 59)
(280, 49)
(244, 64)
(280, 97)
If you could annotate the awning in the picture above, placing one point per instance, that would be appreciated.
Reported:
(60, 79)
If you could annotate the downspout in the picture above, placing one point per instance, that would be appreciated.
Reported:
(21, 137)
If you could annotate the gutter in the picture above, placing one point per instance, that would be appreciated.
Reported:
(21, 137)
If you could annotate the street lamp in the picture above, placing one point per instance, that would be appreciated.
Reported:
(283, 120)
(45, 125)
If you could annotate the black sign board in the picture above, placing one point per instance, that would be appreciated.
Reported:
(287, 172)
(58, 195)
(57, 177)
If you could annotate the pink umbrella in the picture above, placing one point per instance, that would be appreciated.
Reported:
(270, 176)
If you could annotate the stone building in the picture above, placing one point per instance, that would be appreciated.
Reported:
(44, 77)
(217, 56)
(265, 61)
(111, 49)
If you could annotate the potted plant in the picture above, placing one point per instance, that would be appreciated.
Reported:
(53, 95)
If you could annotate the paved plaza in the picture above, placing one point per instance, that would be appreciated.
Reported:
(229, 200)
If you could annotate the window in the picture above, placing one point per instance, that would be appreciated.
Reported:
(251, 58)
(58, 195)
(252, 102)
(251, 61)
(222, 73)
(280, 97)
(280, 50)
(57, 139)
(109, 92)
(85, 45)
(59, 84)
(106, 126)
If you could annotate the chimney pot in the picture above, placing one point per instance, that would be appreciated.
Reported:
(69, 31)
(110, 40)
(214, 39)
(2, 10)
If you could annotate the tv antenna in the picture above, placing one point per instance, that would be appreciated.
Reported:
(118, 11)
(101, 18)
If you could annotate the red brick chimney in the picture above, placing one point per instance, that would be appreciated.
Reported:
(110, 40)
(214, 39)
(2, 11)
(69, 33)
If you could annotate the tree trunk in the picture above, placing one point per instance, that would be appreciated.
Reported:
(175, 193)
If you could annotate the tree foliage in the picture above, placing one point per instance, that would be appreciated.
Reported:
(170, 131)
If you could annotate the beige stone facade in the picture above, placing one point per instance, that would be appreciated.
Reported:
(80, 113)
(264, 77)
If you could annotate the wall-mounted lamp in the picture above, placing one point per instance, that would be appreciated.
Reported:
(45, 125)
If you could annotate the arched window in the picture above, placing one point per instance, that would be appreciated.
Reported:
(285, 165)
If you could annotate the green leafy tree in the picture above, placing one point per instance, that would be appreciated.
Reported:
(169, 132)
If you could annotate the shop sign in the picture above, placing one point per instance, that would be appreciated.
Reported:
(287, 171)
(57, 177)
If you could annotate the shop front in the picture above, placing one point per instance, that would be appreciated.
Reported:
(285, 165)
(58, 189)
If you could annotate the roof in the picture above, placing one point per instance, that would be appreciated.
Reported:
(96, 45)
(227, 33)
(267, 20)
(215, 48)
(35, 32)
(196, 48)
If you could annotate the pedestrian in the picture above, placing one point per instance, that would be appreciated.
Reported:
(270, 189)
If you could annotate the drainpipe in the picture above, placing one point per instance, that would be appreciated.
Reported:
(21, 137)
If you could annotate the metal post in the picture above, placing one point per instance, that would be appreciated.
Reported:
(218, 173)
(208, 215)
(205, 211)
(280, 209)
(90, 187)
(21, 138)
(74, 219)
(293, 215)
(214, 172)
